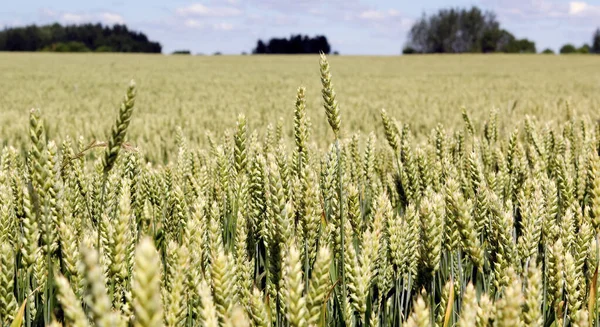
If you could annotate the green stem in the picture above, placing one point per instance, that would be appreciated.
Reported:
(306, 261)
(48, 288)
(26, 297)
(341, 212)
(409, 291)
(102, 194)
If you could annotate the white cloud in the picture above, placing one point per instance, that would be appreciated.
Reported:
(580, 8)
(45, 12)
(223, 26)
(547, 8)
(388, 22)
(378, 15)
(197, 24)
(279, 20)
(198, 9)
(193, 23)
(105, 17)
(112, 18)
(576, 7)
(309, 7)
(73, 18)
(372, 15)
(406, 23)
(543, 9)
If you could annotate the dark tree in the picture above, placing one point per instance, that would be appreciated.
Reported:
(458, 30)
(584, 49)
(93, 37)
(260, 47)
(182, 52)
(294, 45)
(519, 46)
(567, 49)
(596, 42)
(72, 46)
(409, 50)
(548, 51)
(495, 39)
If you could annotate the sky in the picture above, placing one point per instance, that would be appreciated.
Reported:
(358, 27)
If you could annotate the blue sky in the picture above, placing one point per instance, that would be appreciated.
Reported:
(375, 27)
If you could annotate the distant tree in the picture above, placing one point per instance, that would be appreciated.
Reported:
(217, 53)
(548, 51)
(261, 47)
(104, 48)
(458, 30)
(95, 37)
(519, 46)
(72, 46)
(244, 53)
(336, 53)
(596, 42)
(496, 40)
(294, 45)
(409, 50)
(181, 52)
(451, 31)
(567, 49)
(584, 49)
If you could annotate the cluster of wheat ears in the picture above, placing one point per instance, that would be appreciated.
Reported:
(467, 229)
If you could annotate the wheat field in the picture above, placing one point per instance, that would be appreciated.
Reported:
(201, 94)
(299, 191)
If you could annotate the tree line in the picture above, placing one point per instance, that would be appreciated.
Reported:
(585, 48)
(450, 30)
(294, 45)
(76, 38)
(456, 30)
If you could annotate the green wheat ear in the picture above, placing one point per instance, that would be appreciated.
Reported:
(74, 314)
(147, 302)
(96, 296)
(332, 109)
(391, 133)
(119, 130)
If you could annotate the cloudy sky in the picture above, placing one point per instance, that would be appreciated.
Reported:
(374, 27)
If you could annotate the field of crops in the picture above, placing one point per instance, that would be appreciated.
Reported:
(78, 93)
(263, 191)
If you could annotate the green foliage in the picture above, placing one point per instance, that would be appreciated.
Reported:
(548, 51)
(519, 46)
(457, 30)
(568, 49)
(584, 49)
(76, 38)
(105, 48)
(72, 46)
(596, 42)
(409, 50)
